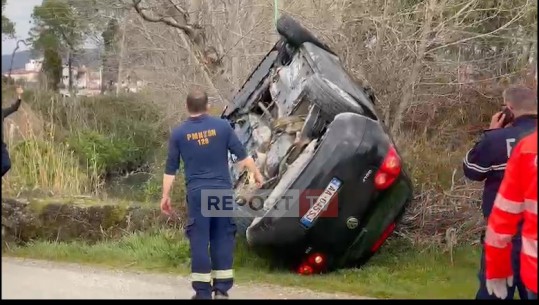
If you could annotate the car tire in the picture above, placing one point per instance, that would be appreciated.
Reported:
(295, 34)
(330, 98)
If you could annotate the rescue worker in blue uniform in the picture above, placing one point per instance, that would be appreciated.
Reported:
(6, 161)
(203, 143)
(486, 162)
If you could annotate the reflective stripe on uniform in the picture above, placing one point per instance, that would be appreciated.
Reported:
(201, 277)
(497, 240)
(481, 169)
(223, 274)
(509, 206)
(531, 206)
(529, 247)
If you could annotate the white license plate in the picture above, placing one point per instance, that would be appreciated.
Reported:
(321, 203)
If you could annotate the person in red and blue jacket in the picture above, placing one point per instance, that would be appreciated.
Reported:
(487, 161)
(516, 201)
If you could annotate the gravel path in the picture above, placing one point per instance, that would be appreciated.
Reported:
(33, 279)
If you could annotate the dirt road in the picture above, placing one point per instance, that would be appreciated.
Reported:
(31, 279)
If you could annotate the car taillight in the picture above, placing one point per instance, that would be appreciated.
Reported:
(316, 260)
(383, 238)
(305, 269)
(314, 263)
(389, 170)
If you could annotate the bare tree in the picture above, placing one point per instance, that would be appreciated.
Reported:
(436, 66)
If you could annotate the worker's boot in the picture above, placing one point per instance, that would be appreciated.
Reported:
(220, 296)
(200, 297)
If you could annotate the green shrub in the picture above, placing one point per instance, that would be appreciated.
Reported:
(152, 189)
(109, 134)
(106, 154)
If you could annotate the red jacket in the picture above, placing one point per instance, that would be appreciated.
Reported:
(516, 200)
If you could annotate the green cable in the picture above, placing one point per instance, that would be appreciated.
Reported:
(276, 10)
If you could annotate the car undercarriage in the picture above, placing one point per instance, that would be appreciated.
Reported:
(309, 125)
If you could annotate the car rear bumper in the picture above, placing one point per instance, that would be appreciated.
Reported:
(351, 150)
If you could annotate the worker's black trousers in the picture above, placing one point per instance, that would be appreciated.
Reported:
(210, 270)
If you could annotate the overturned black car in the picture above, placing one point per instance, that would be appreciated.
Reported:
(314, 133)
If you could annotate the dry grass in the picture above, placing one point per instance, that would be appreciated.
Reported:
(41, 140)
(41, 163)
(446, 207)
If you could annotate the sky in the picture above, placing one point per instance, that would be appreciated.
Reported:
(19, 12)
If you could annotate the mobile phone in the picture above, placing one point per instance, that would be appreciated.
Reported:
(509, 116)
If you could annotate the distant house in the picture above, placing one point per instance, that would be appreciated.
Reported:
(85, 81)
(23, 75)
(132, 83)
(94, 79)
(30, 72)
(78, 77)
(34, 65)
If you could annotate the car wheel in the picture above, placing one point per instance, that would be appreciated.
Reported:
(331, 99)
(296, 34)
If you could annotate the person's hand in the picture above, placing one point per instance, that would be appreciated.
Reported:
(498, 287)
(259, 179)
(19, 92)
(497, 120)
(166, 207)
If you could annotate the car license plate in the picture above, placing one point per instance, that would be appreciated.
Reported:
(321, 203)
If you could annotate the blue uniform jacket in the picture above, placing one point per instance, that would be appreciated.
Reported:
(203, 144)
(486, 161)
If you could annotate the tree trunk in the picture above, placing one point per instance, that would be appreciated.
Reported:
(70, 71)
(207, 77)
(120, 58)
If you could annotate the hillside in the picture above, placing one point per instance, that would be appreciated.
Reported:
(88, 57)
(20, 59)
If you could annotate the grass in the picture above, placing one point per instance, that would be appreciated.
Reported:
(41, 163)
(71, 146)
(398, 271)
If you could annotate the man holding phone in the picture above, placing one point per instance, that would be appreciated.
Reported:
(487, 160)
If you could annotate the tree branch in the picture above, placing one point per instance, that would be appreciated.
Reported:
(187, 29)
(13, 56)
(517, 17)
(181, 10)
(192, 37)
